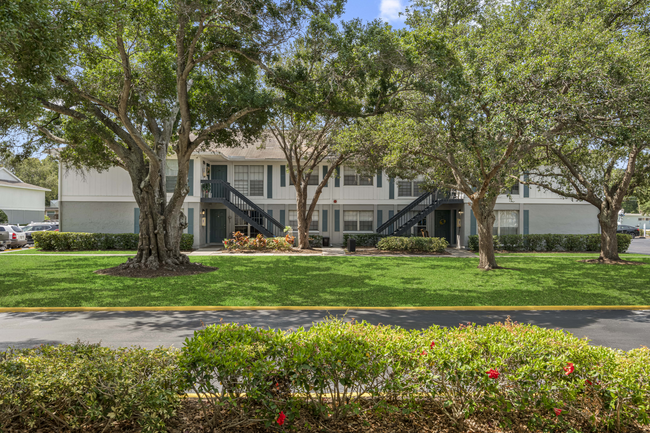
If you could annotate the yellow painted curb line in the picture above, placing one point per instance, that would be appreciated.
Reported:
(328, 307)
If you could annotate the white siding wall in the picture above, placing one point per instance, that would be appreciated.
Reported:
(21, 199)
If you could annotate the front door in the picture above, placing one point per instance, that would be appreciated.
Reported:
(217, 225)
(443, 224)
(218, 172)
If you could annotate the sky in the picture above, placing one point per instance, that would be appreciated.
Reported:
(368, 10)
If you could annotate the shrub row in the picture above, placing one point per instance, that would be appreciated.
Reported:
(67, 241)
(363, 239)
(69, 387)
(399, 243)
(551, 242)
(510, 373)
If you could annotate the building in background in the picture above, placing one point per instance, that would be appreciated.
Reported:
(248, 189)
(21, 202)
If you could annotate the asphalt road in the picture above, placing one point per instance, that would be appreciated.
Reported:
(618, 329)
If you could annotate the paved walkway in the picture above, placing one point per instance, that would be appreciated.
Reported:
(618, 329)
(639, 246)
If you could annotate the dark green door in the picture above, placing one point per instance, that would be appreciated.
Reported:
(443, 224)
(217, 225)
(218, 172)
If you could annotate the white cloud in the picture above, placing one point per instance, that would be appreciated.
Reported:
(390, 9)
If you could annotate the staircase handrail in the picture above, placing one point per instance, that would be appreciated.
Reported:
(399, 214)
(245, 199)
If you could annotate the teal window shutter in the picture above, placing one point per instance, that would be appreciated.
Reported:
(526, 222)
(283, 175)
(136, 220)
(282, 217)
(190, 221)
(324, 220)
(391, 188)
(337, 220)
(269, 224)
(190, 177)
(472, 228)
(380, 217)
(337, 178)
(526, 187)
(269, 181)
(325, 174)
(379, 178)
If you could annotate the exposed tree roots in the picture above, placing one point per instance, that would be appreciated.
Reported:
(603, 261)
(171, 268)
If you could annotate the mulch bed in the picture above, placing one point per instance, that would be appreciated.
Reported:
(165, 271)
(372, 251)
(293, 251)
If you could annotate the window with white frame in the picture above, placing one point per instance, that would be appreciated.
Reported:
(171, 174)
(293, 220)
(352, 178)
(408, 188)
(358, 220)
(249, 179)
(313, 178)
(506, 222)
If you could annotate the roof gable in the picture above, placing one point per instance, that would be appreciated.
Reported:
(8, 176)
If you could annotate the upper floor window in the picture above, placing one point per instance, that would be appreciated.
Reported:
(514, 189)
(171, 174)
(408, 188)
(313, 178)
(293, 220)
(352, 178)
(358, 220)
(249, 179)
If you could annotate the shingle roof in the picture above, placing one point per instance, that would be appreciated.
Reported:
(267, 148)
(22, 185)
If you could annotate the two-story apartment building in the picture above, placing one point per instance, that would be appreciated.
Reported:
(249, 190)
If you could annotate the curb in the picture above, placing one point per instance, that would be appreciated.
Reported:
(328, 307)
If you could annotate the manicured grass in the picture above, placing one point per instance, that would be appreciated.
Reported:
(37, 251)
(60, 281)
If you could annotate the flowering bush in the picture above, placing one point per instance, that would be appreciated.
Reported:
(243, 242)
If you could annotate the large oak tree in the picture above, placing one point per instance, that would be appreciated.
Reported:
(127, 82)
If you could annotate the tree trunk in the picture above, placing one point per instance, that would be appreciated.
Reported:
(303, 224)
(484, 212)
(608, 220)
(161, 224)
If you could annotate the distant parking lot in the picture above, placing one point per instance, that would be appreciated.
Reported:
(639, 246)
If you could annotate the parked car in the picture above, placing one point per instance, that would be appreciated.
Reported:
(628, 230)
(39, 227)
(12, 236)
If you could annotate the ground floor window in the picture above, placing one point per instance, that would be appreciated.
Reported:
(245, 228)
(358, 220)
(293, 220)
(506, 222)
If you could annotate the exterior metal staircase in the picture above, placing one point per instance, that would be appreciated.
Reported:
(416, 211)
(222, 192)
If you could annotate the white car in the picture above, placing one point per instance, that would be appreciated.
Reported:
(12, 236)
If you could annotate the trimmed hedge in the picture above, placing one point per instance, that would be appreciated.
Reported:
(551, 242)
(516, 375)
(77, 386)
(400, 243)
(363, 239)
(68, 241)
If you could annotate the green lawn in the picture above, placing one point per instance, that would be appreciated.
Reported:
(60, 281)
(37, 251)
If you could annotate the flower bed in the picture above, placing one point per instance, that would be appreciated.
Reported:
(241, 242)
(517, 376)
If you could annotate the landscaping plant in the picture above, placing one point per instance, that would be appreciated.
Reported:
(399, 243)
(69, 241)
(551, 242)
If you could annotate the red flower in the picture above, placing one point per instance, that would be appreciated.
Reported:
(433, 343)
(424, 352)
(558, 412)
(281, 418)
(588, 382)
(569, 368)
(493, 374)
